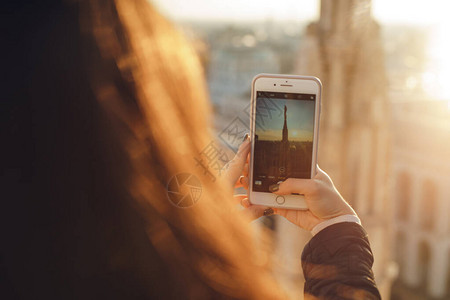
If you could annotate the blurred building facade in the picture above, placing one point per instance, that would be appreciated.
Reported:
(421, 170)
(344, 49)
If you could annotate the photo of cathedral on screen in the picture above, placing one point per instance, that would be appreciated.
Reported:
(277, 160)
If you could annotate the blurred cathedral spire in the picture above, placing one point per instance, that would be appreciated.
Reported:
(344, 49)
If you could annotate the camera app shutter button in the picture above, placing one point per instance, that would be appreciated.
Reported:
(280, 199)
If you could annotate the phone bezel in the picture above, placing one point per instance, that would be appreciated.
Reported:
(300, 84)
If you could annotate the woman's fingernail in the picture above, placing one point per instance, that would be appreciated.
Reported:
(268, 212)
(245, 137)
(274, 187)
(245, 203)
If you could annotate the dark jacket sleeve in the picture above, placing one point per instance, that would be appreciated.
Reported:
(337, 264)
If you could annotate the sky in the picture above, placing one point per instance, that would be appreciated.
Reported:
(385, 11)
(428, 13)
(300, 121)
(238, 10)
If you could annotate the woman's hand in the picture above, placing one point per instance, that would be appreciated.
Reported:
(323, 200)
(235, 173)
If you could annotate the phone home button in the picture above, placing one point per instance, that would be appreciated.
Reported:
(280, 199)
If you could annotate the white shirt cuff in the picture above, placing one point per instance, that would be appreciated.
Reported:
(329, 222)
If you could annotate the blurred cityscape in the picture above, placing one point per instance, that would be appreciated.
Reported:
(397, 142)
(232, 54)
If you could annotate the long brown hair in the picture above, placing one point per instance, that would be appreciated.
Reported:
(161, 114)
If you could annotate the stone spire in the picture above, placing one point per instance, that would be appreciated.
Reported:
(285, 129)
(284, 148)
(344, 49)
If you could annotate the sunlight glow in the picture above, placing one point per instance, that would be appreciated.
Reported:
(410, 12)
(439, 54)
(432, 14)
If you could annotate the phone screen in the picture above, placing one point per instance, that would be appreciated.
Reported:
(284, 133)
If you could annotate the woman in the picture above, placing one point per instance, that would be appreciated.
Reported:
(106, 105)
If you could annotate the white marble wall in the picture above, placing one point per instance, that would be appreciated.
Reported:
(420, 168)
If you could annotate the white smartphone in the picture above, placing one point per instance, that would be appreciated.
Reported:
(284, 127)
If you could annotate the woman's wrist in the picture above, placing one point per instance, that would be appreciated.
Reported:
(340, 219)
